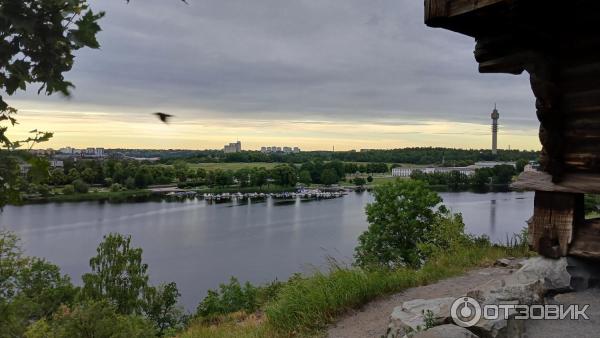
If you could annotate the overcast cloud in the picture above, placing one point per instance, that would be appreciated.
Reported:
(293, 60)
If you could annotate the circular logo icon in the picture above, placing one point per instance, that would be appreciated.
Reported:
(465, 311)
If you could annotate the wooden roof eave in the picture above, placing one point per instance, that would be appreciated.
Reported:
(469, 17)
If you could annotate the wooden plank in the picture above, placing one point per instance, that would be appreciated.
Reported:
(586, 183)
(436, 10)
(552, 223)
(586, 239)
(458, 7)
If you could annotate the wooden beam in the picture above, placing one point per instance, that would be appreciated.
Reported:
(440, 9)
(584, 183)
(586, 239)
(554, 214)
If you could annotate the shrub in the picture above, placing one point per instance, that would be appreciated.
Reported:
(406, 223)
(230, 298)
(91, 319)
(81, 187)
(115, 187)
(68, 189)
(359, 181)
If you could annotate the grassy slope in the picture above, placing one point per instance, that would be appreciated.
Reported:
(306, 306)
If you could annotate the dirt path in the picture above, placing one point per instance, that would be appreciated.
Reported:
(372, 319)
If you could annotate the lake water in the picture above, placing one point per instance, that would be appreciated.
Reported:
(199, 245)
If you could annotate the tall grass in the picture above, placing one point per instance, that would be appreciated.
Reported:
(306, 305)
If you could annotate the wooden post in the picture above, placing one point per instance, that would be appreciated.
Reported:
(554, 217)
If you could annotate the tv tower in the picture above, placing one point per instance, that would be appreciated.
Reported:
(495, 117)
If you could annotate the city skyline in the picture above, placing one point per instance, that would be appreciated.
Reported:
(376, 82)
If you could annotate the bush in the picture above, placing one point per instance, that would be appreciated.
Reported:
(68, 189)
(91, 319)
(81, 187)
(230, 298)
(30, 288)
(359, 181)
(116, 187)
(406, 223)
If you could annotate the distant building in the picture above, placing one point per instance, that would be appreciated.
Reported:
(276, 149)
(57, 164)
(233, 147)
(66, 151)
(491, 164)
(93, 153)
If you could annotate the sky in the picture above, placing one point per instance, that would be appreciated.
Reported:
(317, 74)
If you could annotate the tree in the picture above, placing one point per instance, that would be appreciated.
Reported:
(40, 170)
(329, 177)
(520, 165)
(258, 177)
(160, 306)
(80, 187)
(88, 175)
(68, 189)
(369, 178)
(98, 319)
(359, 181)
(30, 288)
(73, 175)
(403, 215)
(118, 274)
(143, 177)
(304, 177)
(58, 177)
(284, 175)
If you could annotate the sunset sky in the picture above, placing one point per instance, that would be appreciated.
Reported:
(316, 74)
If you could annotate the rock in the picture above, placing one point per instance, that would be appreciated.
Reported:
(410, 316)
(503, 262)
(553, 273)
(446, 331)
(585, 274)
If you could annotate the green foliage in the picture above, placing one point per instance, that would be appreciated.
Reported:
(9, 183)
(39, 172)
(591, 203)
(68, 189)
(359, 181)
(80, 187)
(403, 216)
(520, 164)
(329, 177)
(116, 187)
(304, 177)
(118, 274)
(230, 298)
(369, 178)
(97, 319)
(30, 288)
(160, 306)
(306, 305)
(284, 175)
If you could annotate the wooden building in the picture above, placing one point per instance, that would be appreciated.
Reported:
(557, 42)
